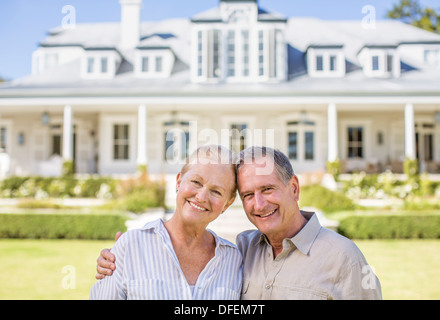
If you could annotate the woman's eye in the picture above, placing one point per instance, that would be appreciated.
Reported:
(217, 192)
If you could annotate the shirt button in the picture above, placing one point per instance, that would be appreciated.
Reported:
(267, 286)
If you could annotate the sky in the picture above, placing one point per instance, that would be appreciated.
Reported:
(24, 23)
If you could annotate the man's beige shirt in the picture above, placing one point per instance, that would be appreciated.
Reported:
(317, 263)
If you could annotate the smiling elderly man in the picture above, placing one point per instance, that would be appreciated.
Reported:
(290, 256)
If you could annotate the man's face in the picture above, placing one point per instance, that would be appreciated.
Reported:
(269, 203)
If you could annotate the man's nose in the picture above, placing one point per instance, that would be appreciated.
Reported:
(260, 202)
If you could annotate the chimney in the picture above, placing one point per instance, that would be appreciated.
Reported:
(130, 23)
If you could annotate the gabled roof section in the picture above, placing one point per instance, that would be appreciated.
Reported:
(214, 15)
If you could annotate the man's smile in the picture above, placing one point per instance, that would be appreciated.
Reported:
(267, 214)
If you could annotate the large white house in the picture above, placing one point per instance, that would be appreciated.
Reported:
(116, 96)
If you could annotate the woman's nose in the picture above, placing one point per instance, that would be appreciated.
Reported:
(201, 195)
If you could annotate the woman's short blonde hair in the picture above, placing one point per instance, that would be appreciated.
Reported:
(213, 154)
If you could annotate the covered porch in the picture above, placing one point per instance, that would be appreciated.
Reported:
(118, 135)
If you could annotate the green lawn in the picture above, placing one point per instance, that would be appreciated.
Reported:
(33, 269)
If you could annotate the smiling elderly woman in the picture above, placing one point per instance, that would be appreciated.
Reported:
(180, 258)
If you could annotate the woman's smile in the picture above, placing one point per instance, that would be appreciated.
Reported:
(192, 204)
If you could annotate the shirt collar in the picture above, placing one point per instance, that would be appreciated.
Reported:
(158, 227)
(304, 239)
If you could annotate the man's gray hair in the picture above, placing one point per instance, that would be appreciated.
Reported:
(283, 166)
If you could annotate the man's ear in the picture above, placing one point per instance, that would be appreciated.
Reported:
(294, 184)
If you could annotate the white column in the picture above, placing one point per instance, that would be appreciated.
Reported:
(68, 134)
(410, 135)
(142, 158)
(332, 119)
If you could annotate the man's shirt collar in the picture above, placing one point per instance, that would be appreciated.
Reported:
(304, 239)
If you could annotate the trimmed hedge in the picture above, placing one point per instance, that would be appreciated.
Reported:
(61, 226)
(391, 227)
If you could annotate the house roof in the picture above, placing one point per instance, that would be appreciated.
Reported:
(214, 15)
(300, 34)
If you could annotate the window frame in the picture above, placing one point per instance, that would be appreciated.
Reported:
(326, 62)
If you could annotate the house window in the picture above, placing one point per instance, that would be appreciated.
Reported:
(209, 55)
(319, 63)
(380, 62)
(432, 57)
(333, 61)
(238, 136)
(375, 63)
(231, 54)
(3, 139)
(145, 61)
(104, 65)
(51, 60)
(90, 64)
(98, 65)
(309, 144)
(159, 61)
(355, 142)
(293, 145)
(121, 142)
(261, 53)
(245, 39)
(301, 140)
(389, 63)
(199, 53)
(215, 67)
(326, 62)
(56, 144)
(176, 140)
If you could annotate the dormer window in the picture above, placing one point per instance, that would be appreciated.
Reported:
(326, 61)
(154, 62)
(380, 62)
(431, 57)
(239, 43)
(100, 64)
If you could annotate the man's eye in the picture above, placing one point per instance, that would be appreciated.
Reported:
(196, 182)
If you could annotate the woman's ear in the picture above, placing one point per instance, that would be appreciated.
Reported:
(178, 181)
(228, 204)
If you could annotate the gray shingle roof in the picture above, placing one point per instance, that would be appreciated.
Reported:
(300, 34)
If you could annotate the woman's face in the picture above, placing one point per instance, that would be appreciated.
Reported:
(204, 192)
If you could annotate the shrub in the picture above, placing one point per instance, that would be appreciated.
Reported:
(138, 201)
(140, 193)
(334, 168)
(68, 186)
(324, 199)
(391, 227)
(61, 226)
(411, 167)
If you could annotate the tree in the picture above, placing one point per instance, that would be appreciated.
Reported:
(410, 11)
